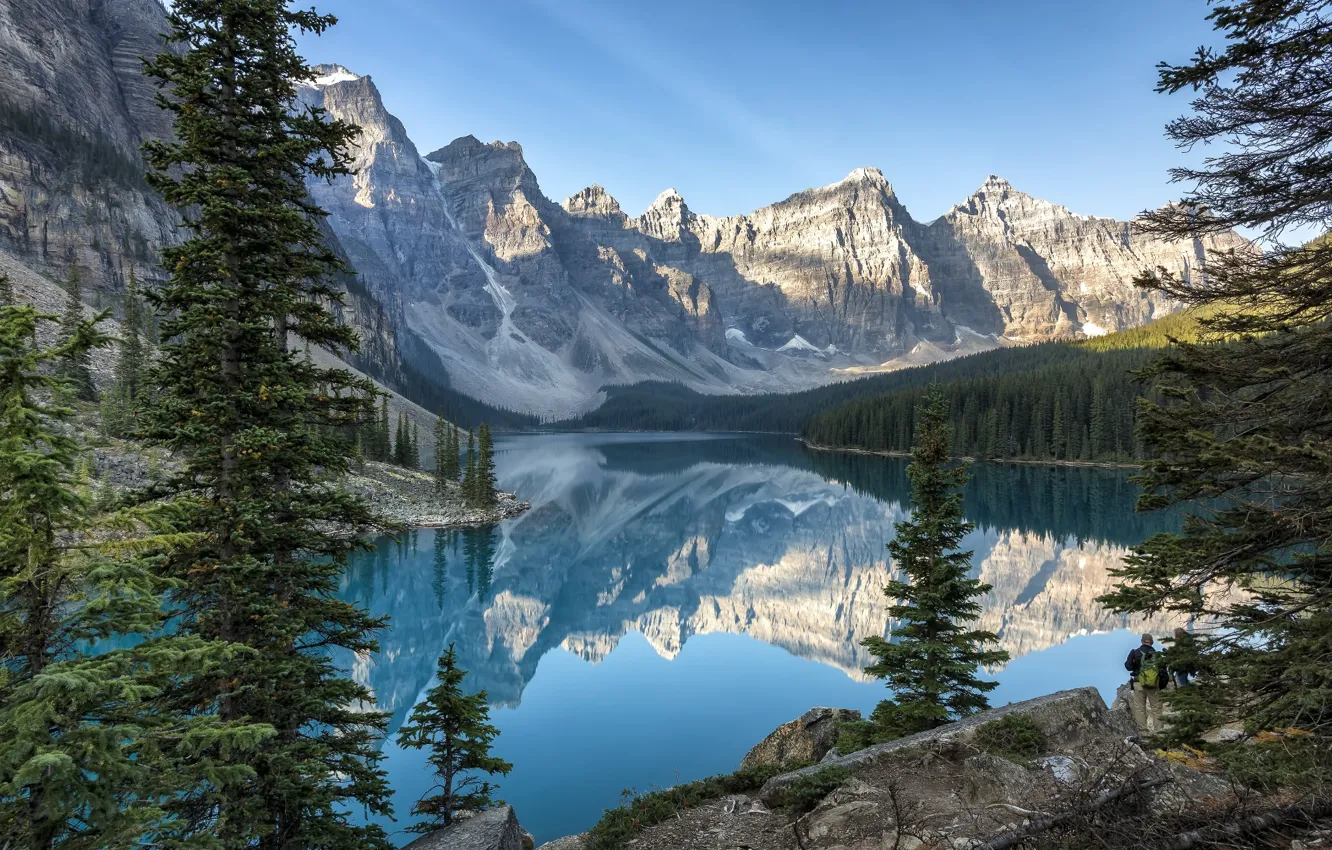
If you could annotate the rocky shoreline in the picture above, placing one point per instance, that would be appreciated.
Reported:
(409, 497)
(1057, 766)
(405, 497)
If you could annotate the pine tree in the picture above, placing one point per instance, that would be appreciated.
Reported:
(456, 729)
(454, 459)
(469, 490)
(7, 296)
(1243, 440)
(414, 457)
(91, 752)
(484, 482)
(398, 454)
(119, 403)
(441, 451)
(931, 661)
(249, 420)
(76, 370)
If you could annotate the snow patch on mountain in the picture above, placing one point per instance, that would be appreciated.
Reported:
(799, 343)
(1091, 329)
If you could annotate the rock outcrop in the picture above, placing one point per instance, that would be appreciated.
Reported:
(1068, 719)
(943, 789)
(493, 829)
(808, 738)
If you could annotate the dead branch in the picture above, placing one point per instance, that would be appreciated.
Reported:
(1017, 836)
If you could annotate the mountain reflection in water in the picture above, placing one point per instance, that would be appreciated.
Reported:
(677, 537)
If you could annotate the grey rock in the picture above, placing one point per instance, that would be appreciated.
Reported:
(808, 738)
(990, 779)
(834, 820)
(493, 829)
(1066, 769)
(528, 842)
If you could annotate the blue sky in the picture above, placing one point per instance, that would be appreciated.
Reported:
(740, 104)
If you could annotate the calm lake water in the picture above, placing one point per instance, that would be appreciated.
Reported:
(670, 599)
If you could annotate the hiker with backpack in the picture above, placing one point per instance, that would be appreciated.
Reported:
(1149, 676)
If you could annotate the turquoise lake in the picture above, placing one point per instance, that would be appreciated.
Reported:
(670, 599)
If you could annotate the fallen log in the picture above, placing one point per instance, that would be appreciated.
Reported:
(1015, 837)
(1209, 835)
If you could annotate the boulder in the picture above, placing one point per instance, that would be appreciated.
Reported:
(1068, 719)
(493, 829)
(808, 738)
(836, 818)
(990, 779)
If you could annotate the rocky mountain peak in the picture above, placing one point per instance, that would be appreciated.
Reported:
(593, 201)
(329, 75)
(669, 199)
(872, 176)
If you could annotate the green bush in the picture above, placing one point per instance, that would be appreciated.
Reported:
(619, 826)
(1014, 735)
(806, 792)
(858, 734)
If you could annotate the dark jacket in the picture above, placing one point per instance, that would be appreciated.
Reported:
(1133, 663)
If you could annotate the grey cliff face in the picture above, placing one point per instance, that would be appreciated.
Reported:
(75, 109)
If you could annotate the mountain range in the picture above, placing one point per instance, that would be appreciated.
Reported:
(469, 275)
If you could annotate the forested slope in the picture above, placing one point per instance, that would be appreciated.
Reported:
(1057, 400)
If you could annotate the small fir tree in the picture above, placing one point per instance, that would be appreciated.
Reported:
(93, 753)
(75, 370)
(456, 729)
(414, 455)
(7, 296)
(932, 659)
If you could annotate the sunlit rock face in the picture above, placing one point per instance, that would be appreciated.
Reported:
(620, 541)
(1032, 270)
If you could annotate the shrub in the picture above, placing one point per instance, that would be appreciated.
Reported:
(638, 812)
(806, 792)
(1014, 735)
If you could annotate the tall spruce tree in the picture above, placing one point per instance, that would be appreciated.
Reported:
(254, 425)
(456, 729)
(454, 459)
(469, 491)
(76, 369)
(92, 752)
(441, 437)
(120, 401)
(1244, 439)
(931, 660)
(485, 469)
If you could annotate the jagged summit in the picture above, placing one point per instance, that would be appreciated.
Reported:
(594, 200)
(328, 75)
(866, 175)
(668, 198)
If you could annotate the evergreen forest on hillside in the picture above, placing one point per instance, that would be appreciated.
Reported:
(1068, 401)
